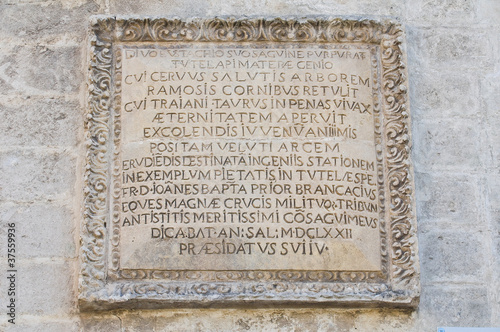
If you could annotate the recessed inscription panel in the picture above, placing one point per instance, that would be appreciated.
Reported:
(254, 157)
(246, 161)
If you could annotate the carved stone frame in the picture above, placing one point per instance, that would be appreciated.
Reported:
(102, 285)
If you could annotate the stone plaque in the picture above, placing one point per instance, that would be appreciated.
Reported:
(246, 161)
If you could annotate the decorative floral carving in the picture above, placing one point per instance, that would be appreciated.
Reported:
(104, 285)
(400, 186)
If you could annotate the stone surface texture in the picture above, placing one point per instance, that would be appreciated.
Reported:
(454, 81)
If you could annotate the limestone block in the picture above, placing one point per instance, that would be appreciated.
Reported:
(446, 144)
(368, 8)
(495, 285)
(329, 8)
(26, 175)
(43, 288)
(263, 8)
(490, 94)
(493, 183)
(242, 6)
(449, 12)
(496, 277)
(4, 284)
(164, 7)
(493, 196)
(46, 288)
(443, 94)
(495, 220)
(440, 48)
(33, 20)
(297, 319)
(489, 12)
(454, 306)
(100, 323)
(42, 122)
(136, 322)
(43, 325)
(492, 144)
(43, 230)
(452, 256)
(437, 202)
(214, 320)
(496, 256)
(40, 69)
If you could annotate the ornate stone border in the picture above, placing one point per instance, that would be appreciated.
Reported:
(102, 285)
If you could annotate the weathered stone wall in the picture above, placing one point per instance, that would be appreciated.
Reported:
(454, 68)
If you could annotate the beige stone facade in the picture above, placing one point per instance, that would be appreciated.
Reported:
(454, 73)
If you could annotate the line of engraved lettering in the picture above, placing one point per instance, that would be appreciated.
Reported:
(291, 159)
(330, 218)
(290, 90)
(180, 90)
(247, 248)
(217, 174)
(251, 76)
(239, 53)
(213, 117)
(248, 217)
(334, 175)
(228, 174)
(231, 131)
(174, 103)
(357, 205)
(251, 232)
(248, 117)
(273, 188)
(187, 217)
(212, 64)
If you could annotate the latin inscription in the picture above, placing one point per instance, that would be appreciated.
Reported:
(254, 157)
(235, 161)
